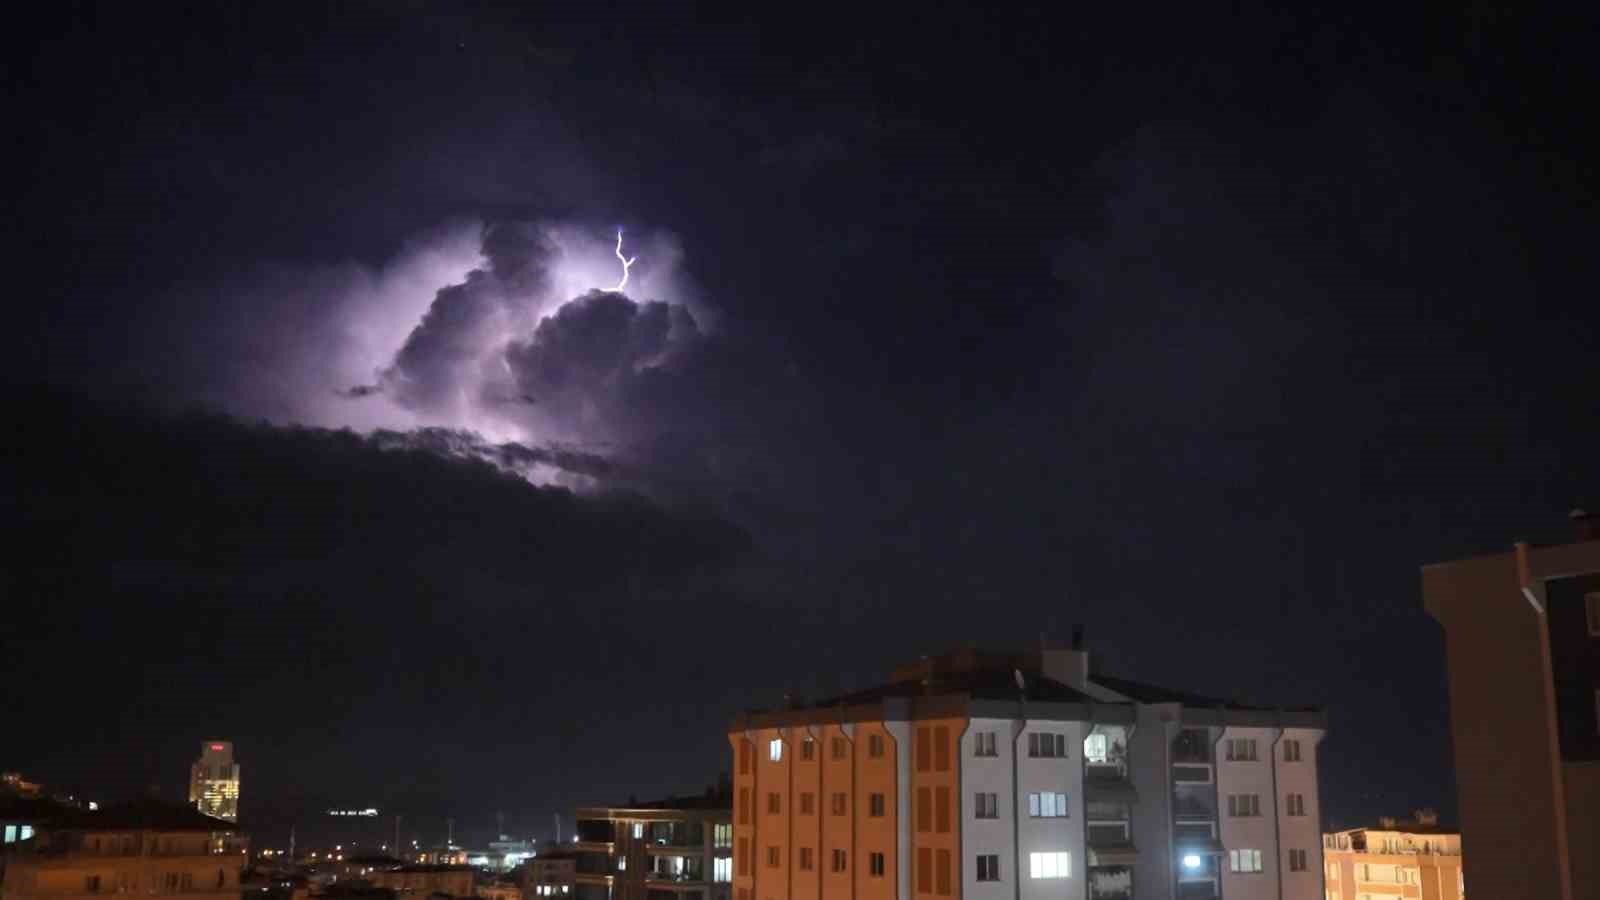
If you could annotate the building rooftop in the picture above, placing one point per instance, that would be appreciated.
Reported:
(982, 684)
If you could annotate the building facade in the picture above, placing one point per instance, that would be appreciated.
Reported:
(677, 849)
(423, 881)
(214, 781)
(1023, 777)
(1414, 859)
(1522, 639)
(553, 873)
(147, 849)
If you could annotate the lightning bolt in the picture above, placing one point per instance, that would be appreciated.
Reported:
(626, 262)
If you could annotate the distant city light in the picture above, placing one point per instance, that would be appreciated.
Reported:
(369, 811)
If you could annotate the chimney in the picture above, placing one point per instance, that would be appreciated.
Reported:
(1070, 667)
(1587, 526)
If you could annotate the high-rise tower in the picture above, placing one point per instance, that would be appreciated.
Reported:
(214, 781)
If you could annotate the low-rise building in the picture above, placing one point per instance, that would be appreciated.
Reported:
(1411, 859)
(140, 848)
(680, 848)
(418, 882)
(552, 873)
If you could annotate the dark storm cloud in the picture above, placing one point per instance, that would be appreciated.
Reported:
(467, 322)
(582, 362)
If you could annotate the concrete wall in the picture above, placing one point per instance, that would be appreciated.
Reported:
(1502, 719)
(989, 775)
(1148, 765)
(1249, 832)
(1051, 835)
(1300, 832)
(876, 775)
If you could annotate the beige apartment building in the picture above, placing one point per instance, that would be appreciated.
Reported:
(146, 848)
(1415, 860)
(680, 848)
(1522, 640)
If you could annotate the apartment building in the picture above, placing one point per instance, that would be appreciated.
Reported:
(1410, 859)
(675, 849)
(423, 881)
(1021, 776)
(144, 848)
(1522, 640)
(552, 873)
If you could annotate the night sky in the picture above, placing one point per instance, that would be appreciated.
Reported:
(1204, 329)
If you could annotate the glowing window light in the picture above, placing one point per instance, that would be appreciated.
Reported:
(1191, 860)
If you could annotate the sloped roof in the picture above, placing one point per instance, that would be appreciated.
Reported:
(984, 684)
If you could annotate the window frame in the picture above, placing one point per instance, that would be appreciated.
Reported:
(1049, 865)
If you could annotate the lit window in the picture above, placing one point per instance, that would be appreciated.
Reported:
(622, 864)
(1096, 748)
(988, 867)
(638, 830)
(1050, 865)
(1048, 805)
(722, 869)
(775, 749)
(1244, 860)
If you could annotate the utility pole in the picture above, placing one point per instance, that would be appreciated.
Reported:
(291, 843)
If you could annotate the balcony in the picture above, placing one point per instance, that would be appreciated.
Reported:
(1191, 747)
(685, 877)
